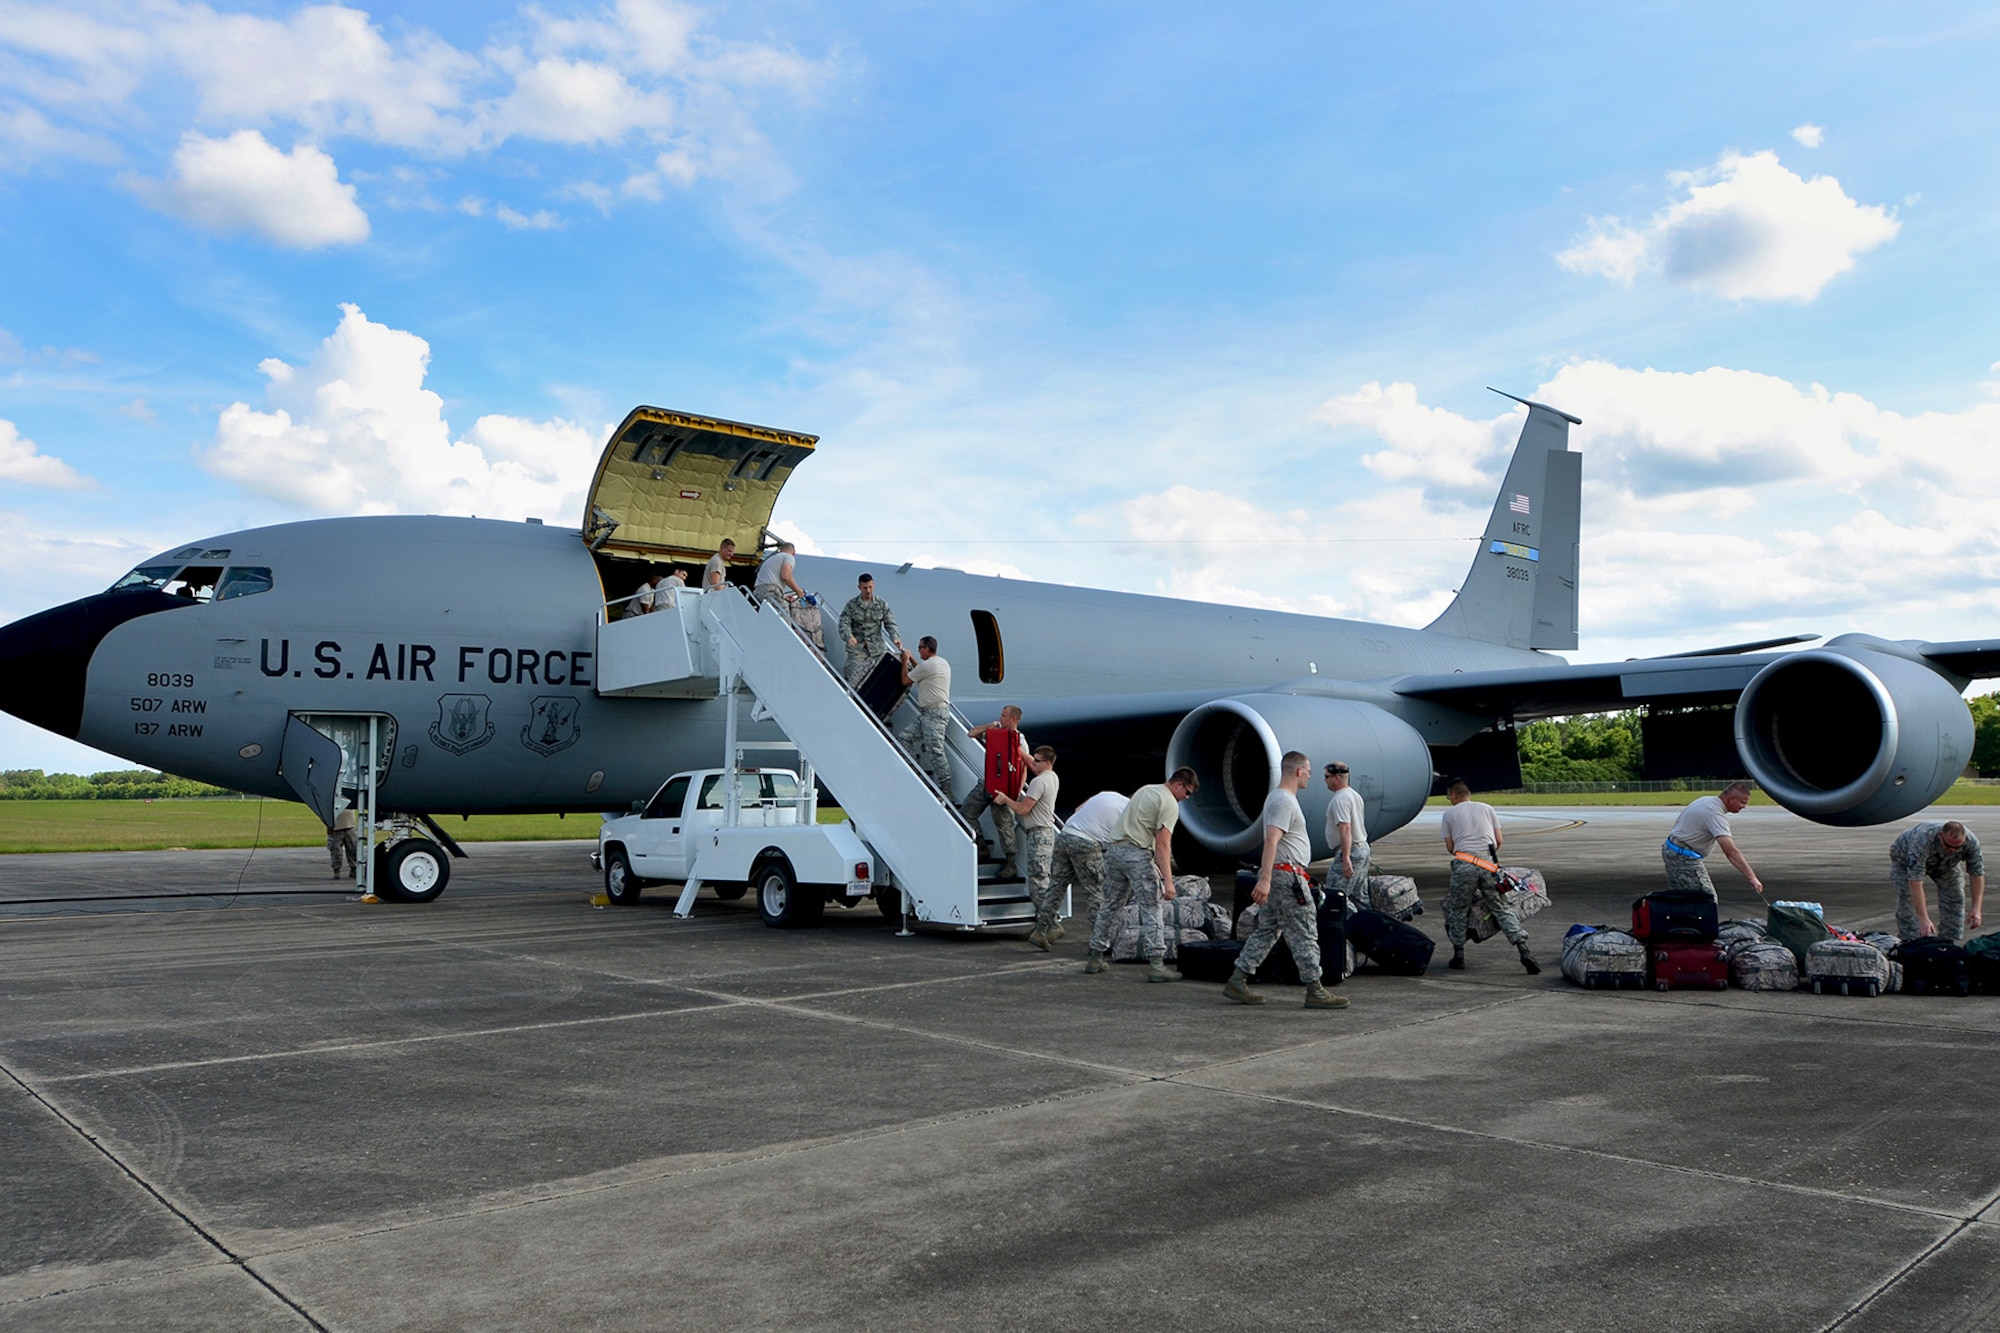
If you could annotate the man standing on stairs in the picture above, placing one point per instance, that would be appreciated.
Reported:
(1036, 807)
(1284, 894)
(931, 678)
(1472, 837)
(1006, 770)
(867, 625)
(1139, 868)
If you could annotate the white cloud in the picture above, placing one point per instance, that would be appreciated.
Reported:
(22, 462)
(1809, 135)
(1747, 229)
(1452, 459)
(642, 77)
(540, 220)
(355, 430)
(243, 183)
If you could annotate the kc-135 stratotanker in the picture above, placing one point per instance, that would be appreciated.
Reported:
(485, 660)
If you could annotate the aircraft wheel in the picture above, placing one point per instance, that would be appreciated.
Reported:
(781, 902)
(621, 886)
(414, 870)
(729, 893)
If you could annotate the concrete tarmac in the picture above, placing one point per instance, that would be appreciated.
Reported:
(509, 1109)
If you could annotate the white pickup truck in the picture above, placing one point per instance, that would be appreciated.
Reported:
(771, 842)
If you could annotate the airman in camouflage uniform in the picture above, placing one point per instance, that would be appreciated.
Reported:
(1944, 853)
(931, 678)
(866, 624)
(1076, 860)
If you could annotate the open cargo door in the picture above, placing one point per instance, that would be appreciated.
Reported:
(672, 485)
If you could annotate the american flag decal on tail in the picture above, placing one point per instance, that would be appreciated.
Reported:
(1519, 504)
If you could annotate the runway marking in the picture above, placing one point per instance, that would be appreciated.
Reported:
(131, 1173)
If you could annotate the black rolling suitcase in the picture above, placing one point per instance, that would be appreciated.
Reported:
(882, 688)
(1675, 916)
(1391, 945)
(1208, 960)
(1933, 966)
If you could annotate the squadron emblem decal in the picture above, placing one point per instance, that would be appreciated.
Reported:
(463, 723)
(551, 724)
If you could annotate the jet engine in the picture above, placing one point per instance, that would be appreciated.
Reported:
(1234, 745)
(1852, 735)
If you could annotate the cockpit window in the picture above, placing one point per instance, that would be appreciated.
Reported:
(243, 581)
(196, 582)
(145, 576)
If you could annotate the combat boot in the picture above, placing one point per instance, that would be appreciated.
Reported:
(1157, 970)
(1457, 963)
(1528, 963)
(1056, 932)
(1038, 939)
(1238, 989)
(1007, 870)
(1319, 997)
(1095, 963)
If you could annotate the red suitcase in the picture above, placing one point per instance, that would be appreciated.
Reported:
(1679, 965)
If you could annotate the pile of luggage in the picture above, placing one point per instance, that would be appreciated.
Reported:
(1677, 941)
(1189, 917)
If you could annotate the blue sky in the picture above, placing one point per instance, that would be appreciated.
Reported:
(1175, 299)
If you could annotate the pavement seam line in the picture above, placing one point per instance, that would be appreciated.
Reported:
(1597, 1154)
(186, 1218)
(172, 1065)
(1923, 1257)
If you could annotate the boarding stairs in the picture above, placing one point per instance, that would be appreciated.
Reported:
(708, 643)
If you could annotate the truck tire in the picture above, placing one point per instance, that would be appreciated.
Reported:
(889, 902)
(621, 886)
(729, 893)
(780, 900)
(414, 870)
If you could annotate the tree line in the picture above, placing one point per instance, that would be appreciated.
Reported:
(126, 784)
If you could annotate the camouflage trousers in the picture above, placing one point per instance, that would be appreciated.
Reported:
(1355, 886)
(976, 803)
(1687, 872)
(1470, 883)
(1130, 876)
(1947, 904)
(859, 663)
(1038, 846)
(340, 846)
(1283, 914)
(1078, 861)
(924, 738)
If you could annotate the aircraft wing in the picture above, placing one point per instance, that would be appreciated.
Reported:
(1971, 658)
(1555, 691)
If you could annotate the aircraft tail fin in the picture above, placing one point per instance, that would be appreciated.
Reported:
(1521, 589)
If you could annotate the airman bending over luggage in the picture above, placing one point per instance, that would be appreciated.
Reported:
(1472, 837)
(867, 625)
(1036, 807)
(1079, 857)
(931, 678)
(1705, 824)
(1006, 769)
(1139, 868)
(776, 585)
(1346, 837)
(1284, 894)
(1946, 854)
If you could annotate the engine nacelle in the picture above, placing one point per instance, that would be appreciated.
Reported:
(1234, 745)
(1847, 735)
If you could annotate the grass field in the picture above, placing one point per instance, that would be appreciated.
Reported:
(148, 826)
(151, 826)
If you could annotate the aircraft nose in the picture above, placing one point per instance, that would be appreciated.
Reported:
(45, 658)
